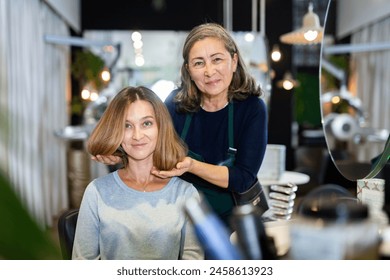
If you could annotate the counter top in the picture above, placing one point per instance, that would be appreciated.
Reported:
(288, 177)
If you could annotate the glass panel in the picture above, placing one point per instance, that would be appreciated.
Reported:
(354, 97)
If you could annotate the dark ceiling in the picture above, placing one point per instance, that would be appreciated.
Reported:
(181, 15)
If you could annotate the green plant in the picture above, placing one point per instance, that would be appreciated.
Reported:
(307, 105)
(20, 237)
(87, 67)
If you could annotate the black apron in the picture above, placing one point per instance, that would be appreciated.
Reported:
(220, 200)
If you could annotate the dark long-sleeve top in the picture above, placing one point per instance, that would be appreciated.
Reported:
(208, 137)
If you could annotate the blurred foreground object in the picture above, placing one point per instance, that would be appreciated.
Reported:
(333, 225)
(20, 236)
(211, 232)
(251, 235)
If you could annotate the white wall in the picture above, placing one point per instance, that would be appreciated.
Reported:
(355, 14)
(69, 10)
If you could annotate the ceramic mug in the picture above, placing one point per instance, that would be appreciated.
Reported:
(372, 193)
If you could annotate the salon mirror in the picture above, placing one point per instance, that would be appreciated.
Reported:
(354, 85)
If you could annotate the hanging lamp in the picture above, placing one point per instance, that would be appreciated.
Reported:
(310, 33)
(288, 82)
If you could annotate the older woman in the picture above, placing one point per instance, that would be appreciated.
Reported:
(219, 114)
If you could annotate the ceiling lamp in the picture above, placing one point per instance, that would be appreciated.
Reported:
(310, 33)
(288, 82)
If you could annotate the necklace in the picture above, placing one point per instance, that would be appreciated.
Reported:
(132, 183)
(144, 189)
(145, 186)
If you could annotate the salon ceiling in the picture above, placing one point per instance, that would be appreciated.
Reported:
(180, 15)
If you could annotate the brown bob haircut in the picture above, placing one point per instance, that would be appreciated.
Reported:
(107, 136)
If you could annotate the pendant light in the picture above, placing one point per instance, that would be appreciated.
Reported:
(310, 33)
(288, 82)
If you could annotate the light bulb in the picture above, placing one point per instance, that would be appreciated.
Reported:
(288, 85)
(139, 60)
(336, 99)
(138, 44)
(106, 76)
(94, 96)
(136, 36)
(85, 94)
(249, 37)
(288, 82)
(310, 35)
(276, 54)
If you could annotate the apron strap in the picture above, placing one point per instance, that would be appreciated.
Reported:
(186, 126)
(230, 128)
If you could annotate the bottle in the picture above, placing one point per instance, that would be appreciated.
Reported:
(252, 239)
(211, 232)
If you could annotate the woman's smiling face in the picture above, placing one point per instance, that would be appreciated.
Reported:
(141, 131)
(211, 66)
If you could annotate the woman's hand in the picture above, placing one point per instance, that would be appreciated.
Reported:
(107, 160)
(215, 174)
(181, 168)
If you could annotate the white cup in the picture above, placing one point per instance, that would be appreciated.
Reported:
(372, 193)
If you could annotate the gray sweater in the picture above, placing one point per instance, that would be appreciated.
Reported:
(118, 222)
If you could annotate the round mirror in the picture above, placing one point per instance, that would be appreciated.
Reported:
(355, 92)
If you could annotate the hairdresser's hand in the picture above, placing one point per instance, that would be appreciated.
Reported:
(108, 160)
(181, 167)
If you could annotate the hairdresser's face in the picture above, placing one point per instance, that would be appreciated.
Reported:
(211, 67)
(141, 131)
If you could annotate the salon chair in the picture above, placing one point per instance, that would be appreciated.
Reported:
(66, 231)
(323, 194)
